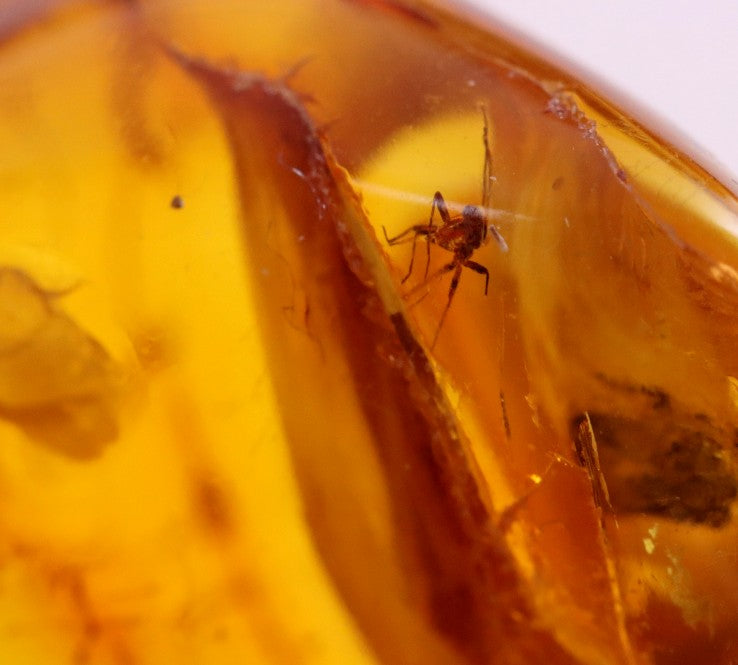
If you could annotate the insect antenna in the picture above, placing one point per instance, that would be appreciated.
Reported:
(487, 170)
(487, 180)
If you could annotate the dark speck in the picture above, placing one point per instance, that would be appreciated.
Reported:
(213, 506)
(177, 202)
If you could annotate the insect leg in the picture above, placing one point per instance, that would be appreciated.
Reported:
(477, 267)
(398, 239)
(451, 292)
(440, 204)
(417, 230)
(434, 276)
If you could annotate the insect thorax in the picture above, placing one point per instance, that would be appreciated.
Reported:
(476, 225)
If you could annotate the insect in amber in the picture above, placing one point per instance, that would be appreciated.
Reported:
(460, 234)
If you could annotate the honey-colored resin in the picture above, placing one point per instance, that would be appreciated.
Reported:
(226, 432)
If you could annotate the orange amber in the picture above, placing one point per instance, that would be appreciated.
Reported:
(226, 433)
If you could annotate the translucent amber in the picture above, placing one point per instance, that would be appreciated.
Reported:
(226, 434)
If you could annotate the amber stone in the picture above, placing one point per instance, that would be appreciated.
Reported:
(235, 427)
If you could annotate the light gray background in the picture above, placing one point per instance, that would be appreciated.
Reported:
(677, 57)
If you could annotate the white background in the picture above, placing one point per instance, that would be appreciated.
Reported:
(679, 58)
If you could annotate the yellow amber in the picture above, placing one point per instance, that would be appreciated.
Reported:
(226, 433)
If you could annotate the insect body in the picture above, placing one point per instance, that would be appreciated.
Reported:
(460, 234)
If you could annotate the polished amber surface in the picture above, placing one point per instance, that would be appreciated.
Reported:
(226, 432)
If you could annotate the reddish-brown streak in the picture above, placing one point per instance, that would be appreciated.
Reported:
(212, 506)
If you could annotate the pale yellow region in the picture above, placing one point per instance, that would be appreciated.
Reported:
(164, 292)
(664, 179)
(491, 467)
(446, 154)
